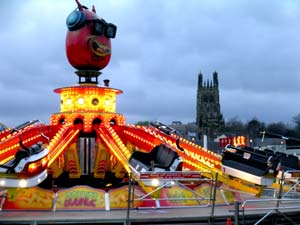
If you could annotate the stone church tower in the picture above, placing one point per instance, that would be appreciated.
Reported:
(209, 119)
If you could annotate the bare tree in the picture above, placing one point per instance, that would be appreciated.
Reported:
(277, 128)
(254, 126)
(234, 126)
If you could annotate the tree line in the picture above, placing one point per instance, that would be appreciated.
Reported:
(253, 127)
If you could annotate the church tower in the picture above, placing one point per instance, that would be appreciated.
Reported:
(209, 118)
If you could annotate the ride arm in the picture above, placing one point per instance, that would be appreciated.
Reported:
(290, 141)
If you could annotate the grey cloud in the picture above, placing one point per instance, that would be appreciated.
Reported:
(160, 48)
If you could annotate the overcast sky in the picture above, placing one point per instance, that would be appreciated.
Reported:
(160, 48)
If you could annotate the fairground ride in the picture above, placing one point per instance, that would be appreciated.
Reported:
(87, 141)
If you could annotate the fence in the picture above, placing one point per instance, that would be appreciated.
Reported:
(278, 205)
(164, 179)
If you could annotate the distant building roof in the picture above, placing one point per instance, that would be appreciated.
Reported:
(268, 141)
(176, 123)
(2, 127)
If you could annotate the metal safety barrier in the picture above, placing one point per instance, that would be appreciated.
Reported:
(3, 195)
(278, 204)
(164, 179)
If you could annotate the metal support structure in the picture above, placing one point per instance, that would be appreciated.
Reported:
(280, 190)
(279, 200)
(54, 202)
(3, 195)
(213, 199)
(168, 179)
(236, 212)
(129, 200)
(88, 76)
(272, 208)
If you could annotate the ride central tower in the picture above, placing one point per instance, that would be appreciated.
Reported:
(88, 49)
(87, 108)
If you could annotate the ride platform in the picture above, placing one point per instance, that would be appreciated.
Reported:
(177, 216)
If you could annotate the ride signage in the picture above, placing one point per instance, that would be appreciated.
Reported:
(295, 173)
(80, 197)
(170, 175)
(235, 141)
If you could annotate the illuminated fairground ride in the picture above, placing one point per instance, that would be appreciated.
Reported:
(87, 141)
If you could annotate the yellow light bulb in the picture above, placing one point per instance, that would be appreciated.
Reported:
(80, 101)
(107, 102)
(69, 101)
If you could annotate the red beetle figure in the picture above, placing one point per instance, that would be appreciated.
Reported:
(88, 44)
